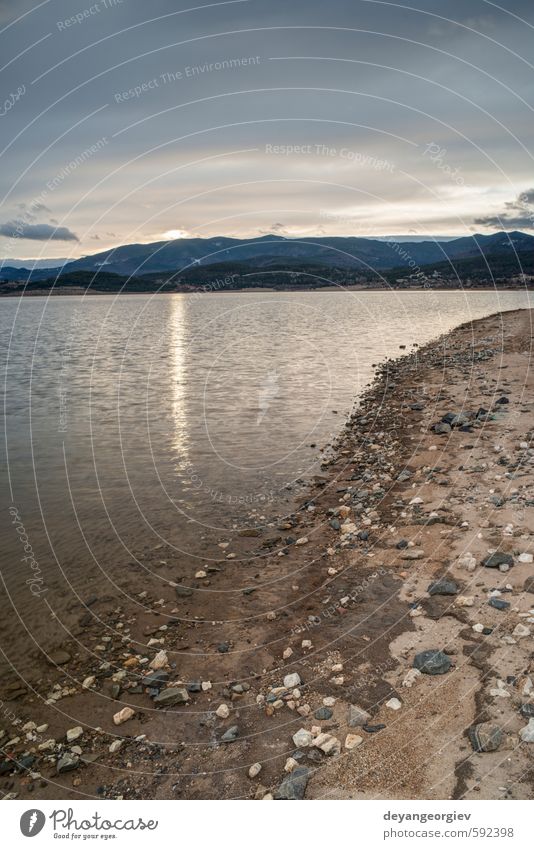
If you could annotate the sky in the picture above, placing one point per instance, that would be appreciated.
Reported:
(123, 121)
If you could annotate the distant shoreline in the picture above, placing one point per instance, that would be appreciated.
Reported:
(77, 291)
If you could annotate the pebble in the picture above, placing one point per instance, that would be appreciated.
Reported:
(432, 662)
(352, 740)
(74, 733)
(357, 716)
(254, 770)
(294, 786)
(525, 557)
(223, 711)
(302, 738)
(323, 713)
(115, 746)
(171, 696)
(292, 680)
(527, 733)
(230, 735)
(521, 631)
(394, 704)
(123, 715)
(67, 763)
(485, 737)
(498, 559)
(443, 587)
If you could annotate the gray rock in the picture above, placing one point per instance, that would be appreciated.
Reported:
(155, 679)
(485, 737)
(294, 786)
(499, 558)
(323, 713)
(171, 696)
(357, 717)
(443, 587)
(183, 592)
(442, 428)
(432, 662)
(67, 763)
(230, 735)
(499, 603)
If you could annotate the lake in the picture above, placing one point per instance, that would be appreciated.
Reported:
(139, 422)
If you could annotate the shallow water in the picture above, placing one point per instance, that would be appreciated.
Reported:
(141, 420)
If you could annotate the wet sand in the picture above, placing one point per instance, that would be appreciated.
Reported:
(336, 594)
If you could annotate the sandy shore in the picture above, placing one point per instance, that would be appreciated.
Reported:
(334, 599)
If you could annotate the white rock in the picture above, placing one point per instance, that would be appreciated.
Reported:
(467, 561)
(526, 557)
(302, 738)
(290, 765)
(328, 744)
(465, 601)
(115, 746)
(88, 682)
(353, 740)
(160, 660)
(74, 733)
(394, 704)
(521, 631)
(254, 770)
(411, 677)
(123, 715)
(527, 733)
(223, 711)
(478, 628)
(292, 680)
(302, 541)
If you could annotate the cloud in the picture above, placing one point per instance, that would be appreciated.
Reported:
(517, 214)
(19, 229)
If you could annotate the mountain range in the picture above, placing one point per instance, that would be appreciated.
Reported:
(351, 253)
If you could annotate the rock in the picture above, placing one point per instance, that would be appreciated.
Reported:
(171, 696)
(467, 561)
(432, 662)
(525, 557)
(223, 648)
(155, 679)
(183, 592)
(394, 704)
(290, 765)
(223, 711)
(373, 729)
(159, 661)
(443, 587)
(521, 631)
(328, 744)
(335, 524)
(114, 747)
(411, 677)
(442, 428)
(485, 737)
(527, 710)
(292, 680)
(294, 786)
(74, 733)
(123, 715)
(528, 586)
(413, 554)
(88, 682)
(527, 733)
(67, 763)
(465, 601)
(357, 717)
(302, 541)
(58, 657)
(499, 603)
(323, 713)
(230, 735)
(254, 770)
(352, 740)
(498, 559)
(302, 738)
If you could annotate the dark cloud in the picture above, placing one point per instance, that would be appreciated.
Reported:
(516, 215)
(37, 232)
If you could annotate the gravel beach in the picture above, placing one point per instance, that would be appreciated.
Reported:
(376, 643)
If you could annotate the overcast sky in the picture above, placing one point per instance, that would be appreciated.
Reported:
(133, 122)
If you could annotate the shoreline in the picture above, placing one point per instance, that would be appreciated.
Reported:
(46, 293)
(344, 583)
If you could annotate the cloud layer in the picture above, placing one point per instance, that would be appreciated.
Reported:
(137, 120)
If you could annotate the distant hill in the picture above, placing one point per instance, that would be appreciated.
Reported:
(357, 254)
(503, 270)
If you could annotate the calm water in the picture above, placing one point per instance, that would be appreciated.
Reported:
(139, 420)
